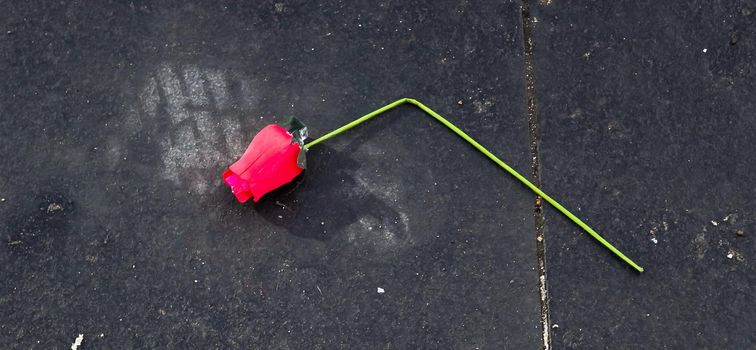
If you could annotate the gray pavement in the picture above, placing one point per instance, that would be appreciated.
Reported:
(117, 120)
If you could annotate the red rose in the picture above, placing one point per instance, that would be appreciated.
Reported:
(274, 158)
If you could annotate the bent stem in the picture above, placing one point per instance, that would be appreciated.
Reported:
(488, 154)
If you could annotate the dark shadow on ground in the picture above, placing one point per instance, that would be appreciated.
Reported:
(306, 210)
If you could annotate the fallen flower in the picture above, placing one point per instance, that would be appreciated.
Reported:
(274, 158)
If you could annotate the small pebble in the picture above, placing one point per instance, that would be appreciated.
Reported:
(739, 232)
(381, 290)
(729, 255)
(2, 199)
(53, 207)
(704, 50)
(460, 102)
(714, 223)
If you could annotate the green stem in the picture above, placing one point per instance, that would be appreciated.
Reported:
(488, 154)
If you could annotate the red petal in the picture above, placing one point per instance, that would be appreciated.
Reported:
(269, 162)
(278, 171)
(238, 186)
(264, 145)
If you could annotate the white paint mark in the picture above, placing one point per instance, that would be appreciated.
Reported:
(149, 98)
(200, 136)
(180, 152)
(113, 151)
(77, 342)
(175, 98)
(199, 184)
(380, 234)
(248, 95)
(235, 142)
(207, 138)
(544, 314)
(218, 87)
(404, 218)
(388, 191)
(542, 283)
(195, 86)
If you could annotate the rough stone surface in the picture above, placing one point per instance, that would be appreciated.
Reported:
(118, 118)
(648, 126)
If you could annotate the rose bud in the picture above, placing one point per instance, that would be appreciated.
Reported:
(275, 156)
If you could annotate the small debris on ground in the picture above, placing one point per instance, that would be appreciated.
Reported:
(381, 290)
(460, 102)
(653, 239)
(2, 199)
(53, 207)
(734, 254)
(714, 223)
(739, 232)
(555, 326)
(77, 343)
